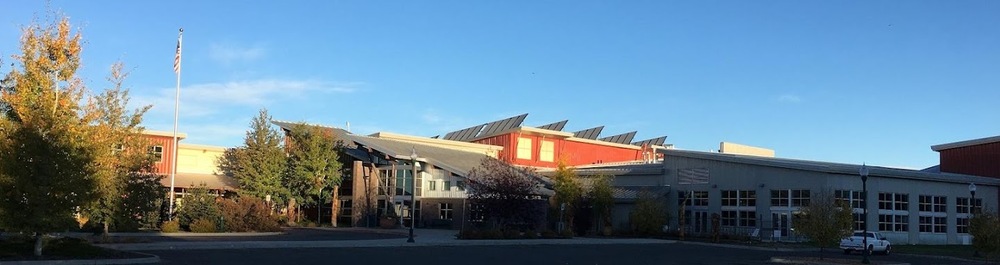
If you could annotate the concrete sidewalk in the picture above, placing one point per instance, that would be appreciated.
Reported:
(422, 237)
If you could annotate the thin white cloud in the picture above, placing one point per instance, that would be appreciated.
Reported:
(207, 98)
(227, 53)
(431, 116)
(789, 98)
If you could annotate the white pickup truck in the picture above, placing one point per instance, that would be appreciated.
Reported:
(876, 243)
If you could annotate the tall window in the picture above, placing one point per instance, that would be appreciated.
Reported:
(933, 224)
(445, 211)
(432, 185)
(460, 185)
(157, 152)
(694, 198)
(523, 148)
(547, 152)
(893, 223)
(854, 199)
(962, 225)
(935, 204)
(739, 208)
(893, 201)
(739, 198)
(795, 198)
(962, 204)
(800, 197)
(447, 185)
(779, 197)
(729, 218)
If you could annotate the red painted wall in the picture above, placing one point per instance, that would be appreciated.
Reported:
(979, 160)
(574, 153)
(163, 166)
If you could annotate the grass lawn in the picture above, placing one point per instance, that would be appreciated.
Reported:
(958, 251)
(12, 249)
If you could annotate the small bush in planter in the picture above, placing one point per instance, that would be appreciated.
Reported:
(170, 227)
(203, 226)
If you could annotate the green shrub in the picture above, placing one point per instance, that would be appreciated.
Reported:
(549, 234)
(248, 214)
(197, 205)
(310, 224)
(649, 215)
(170, 227)
(511, 234)
(203, 226)
(469, 234)
(530, 234)
(492, 234)
(567, 233)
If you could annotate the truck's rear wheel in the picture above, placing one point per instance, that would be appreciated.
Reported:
(871, 248)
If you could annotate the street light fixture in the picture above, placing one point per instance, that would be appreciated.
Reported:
(413, 192)
(864, 216)
(972, 204)
(972, 208)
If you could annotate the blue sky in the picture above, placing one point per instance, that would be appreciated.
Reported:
(842, 81)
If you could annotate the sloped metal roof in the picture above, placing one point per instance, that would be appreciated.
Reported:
(591, 133)
(456, 161)
(193, 180)
(624, 138)
(835, 168)
(464, 134)
(502, 125)
(654, 141)
(556, 126)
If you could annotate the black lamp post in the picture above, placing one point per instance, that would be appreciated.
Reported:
(972, 208)
(972, 204)
(413, 193)
(368, 191)
(864, 216)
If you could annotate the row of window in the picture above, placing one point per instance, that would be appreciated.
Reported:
(546, 150)
(797, 198)
(432, 185)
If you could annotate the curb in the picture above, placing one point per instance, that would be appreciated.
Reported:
(791, 260)
(748, 247)
(146, 260)
(367, 244)
(936, 257)
(180, 234)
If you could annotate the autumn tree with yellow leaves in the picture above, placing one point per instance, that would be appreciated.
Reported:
(63, 151)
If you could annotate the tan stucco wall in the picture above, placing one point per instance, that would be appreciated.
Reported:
(199, 159)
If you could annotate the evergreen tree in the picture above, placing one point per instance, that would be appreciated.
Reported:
(313, 164)
(258, 165)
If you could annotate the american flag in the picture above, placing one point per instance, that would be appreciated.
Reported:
(177, 57)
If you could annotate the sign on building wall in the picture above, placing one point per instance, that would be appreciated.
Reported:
(692, 176)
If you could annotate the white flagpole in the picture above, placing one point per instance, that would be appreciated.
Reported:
(177, 104)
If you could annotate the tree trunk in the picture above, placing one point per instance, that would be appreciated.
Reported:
(291, 211)
(104, 235)
(334, 205)
(38, 244)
